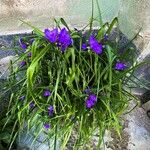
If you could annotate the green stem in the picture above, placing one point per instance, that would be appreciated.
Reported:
(100, 16)
(91, 20)
(55, 141)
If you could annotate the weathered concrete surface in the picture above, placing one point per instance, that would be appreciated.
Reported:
(138, 130)
(142, 43)
(135, 134)
(42, 12)
(133, 16)
(4, 66)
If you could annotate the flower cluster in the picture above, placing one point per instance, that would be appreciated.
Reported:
(63, 39)
(32, 104)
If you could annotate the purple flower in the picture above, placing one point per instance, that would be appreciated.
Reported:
(64, 39)
(63, 48)
(84, 46)
(47, 93)
(29, 54)
(22, 97)
(95, 46)
(22, 44)
(106, 37)
(22, 63)
(52, 36)
(87, 90)
(93, 98)
(47, 125)
(32, 104)
(31, 41)
(90, 102)
(50, 110)
(120, 66)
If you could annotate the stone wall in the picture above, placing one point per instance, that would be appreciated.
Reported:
(42, 12)
(133, 16)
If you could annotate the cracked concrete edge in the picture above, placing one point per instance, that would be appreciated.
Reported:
(146, 106)
(135, 134)
(138, 129)
(4, 66)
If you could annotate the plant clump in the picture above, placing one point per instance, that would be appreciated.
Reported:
(70, 80)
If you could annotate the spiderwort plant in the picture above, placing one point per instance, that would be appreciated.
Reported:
(86, 81)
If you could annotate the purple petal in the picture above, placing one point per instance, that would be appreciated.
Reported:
(47, 93)
(88, 90)
(120, 66)
(29, 54)
(32, 105)
(93, 97)
(31, 41)
(22, 44)
(22, 97)
(63, 48)
(22, 63)
(65, 39)
(91, 101)
(47, 125)
(50, 110)
(52, 36)
(84, 46)
(50, 113)
(106, 37)
(95, 46)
